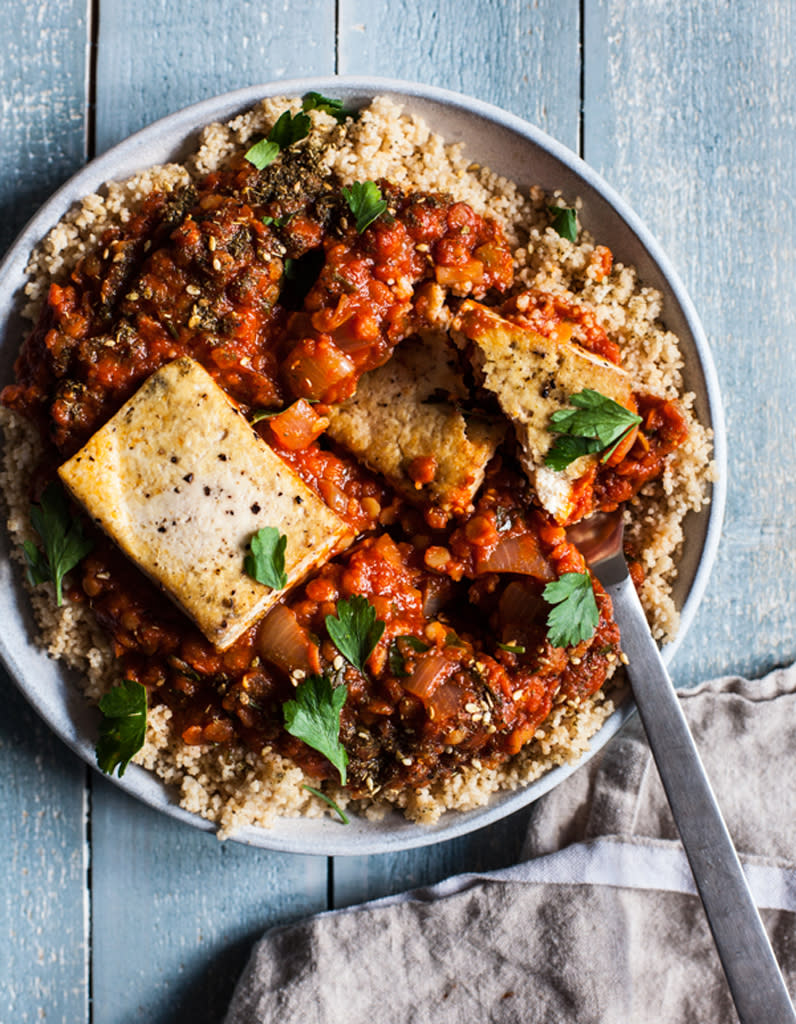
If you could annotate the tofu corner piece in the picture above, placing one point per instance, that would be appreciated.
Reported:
(393, 420)
(532, 377)
(180, 481)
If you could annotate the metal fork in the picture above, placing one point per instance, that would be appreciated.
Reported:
(745, 952)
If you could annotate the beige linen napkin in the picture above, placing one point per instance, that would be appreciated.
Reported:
(599, 924)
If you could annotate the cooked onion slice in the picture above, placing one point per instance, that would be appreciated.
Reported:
(283, 641)
(520, 555)
(427, 675)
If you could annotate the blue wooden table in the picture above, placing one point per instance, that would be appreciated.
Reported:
(112, 913)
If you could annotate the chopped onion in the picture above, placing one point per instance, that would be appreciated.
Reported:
(315, 367)
(427, 675)
(520, 555)
(298, 426)
(283, 641)
(445, 702)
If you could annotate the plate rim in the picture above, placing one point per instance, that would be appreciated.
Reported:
(185, 123)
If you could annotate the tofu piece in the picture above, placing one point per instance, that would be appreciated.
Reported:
(180, 481)
(533, 377)
(393, 420)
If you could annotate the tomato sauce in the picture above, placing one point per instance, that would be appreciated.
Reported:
(265, 280)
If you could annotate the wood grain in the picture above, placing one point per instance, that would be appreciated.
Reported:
(43, 856)
(43, 864)
(690, 112)
(175, 912)
(43, 83)
(521, 56)
(156, 57)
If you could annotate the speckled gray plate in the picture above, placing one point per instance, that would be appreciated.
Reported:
(509, 146)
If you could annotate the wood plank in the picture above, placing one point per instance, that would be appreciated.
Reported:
(43, 934)
(43, 863)
(194, 905)
(175, 911)
(43, 89)
(157, 57)
(524, 58)
(691, 116)
(519, 56)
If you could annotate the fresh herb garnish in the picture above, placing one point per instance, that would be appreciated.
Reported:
(395, 657)
(355, 630)
(264, 414)
(287, 130)
(564, 222)
(123, 727)
(574, 615)
(328, 800)
(62, 536)
(314, 717)
(277, 222)
(290, 128)
(597, 424)
(266, 562)
(262, 153)
(317, 101)
(366, 202)
(512, 648)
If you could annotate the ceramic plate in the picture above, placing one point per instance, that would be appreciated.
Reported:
(509, 146)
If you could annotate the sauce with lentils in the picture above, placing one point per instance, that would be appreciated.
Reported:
(263, 278)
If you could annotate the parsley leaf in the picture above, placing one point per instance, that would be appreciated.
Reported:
(287, 130)
(262, 153)
(123, 728)
(596, 424)
(574, 615)
(317, 101)
(564, 222)
(328, 800)
(266, 563)
(314, 717)
(355, 630)
(366, 202)
(62, 536)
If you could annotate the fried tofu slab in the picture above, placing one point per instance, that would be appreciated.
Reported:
(181, 482)
(532, 377)
(401, 421)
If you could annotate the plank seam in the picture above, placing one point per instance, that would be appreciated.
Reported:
(337, 37)
(88, 798)
(582, 79)
(93, 18)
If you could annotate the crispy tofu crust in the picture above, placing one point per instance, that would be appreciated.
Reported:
(532, 377)
(393, 421)
(180, 481)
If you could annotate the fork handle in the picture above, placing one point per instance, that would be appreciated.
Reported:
(752, 971)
